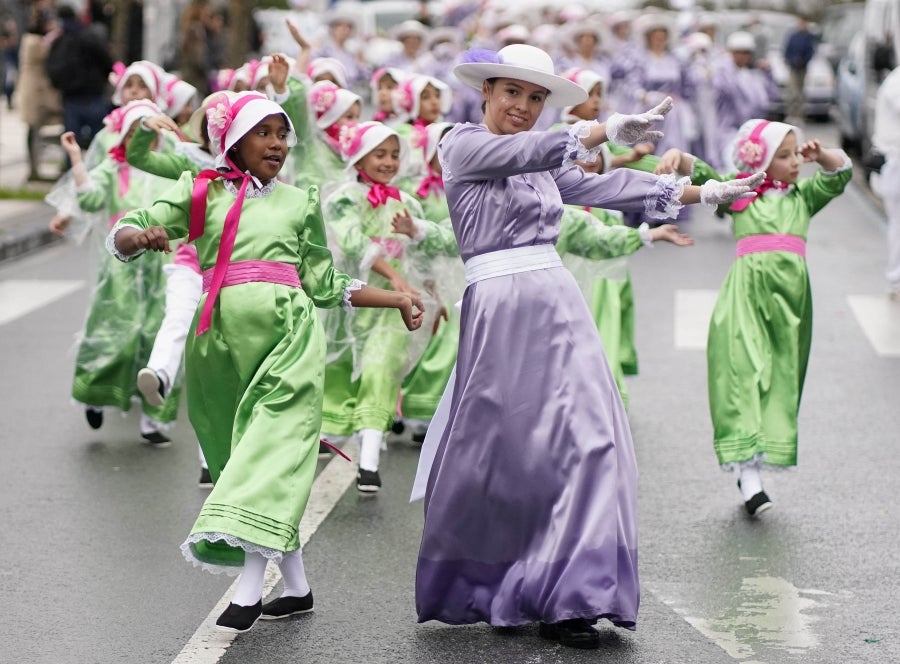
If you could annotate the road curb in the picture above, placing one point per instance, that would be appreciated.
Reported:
(19, 242)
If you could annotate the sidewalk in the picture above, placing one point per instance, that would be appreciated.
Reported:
(23, 222)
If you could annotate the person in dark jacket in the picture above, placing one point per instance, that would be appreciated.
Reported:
(798, 51)
(78, 66)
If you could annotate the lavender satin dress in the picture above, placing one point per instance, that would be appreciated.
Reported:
(530, 504)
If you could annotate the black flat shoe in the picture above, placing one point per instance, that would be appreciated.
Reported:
(287, 606)
(94, 418)
(157, 439)
(577, 633)
(758, 504)
(238, 618)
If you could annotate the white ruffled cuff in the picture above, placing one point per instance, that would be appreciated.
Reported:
(663, 201)
(111, 244)
(575, 150)
(646, 237)
(280, 98)
(844, 165)
(354, 285)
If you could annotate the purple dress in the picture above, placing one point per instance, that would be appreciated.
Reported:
(530, 504)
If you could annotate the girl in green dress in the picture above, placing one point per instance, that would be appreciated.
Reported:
(256, 352)
(760, 332)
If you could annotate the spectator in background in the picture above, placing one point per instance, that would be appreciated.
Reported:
(798, 51)
(744, 90)
(886, 138)
(341, 46)
(39, 102)
(77, 65)
(193, 50)
(9, 38)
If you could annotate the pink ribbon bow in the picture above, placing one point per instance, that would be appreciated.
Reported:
(229, 231)
(741, 204)
(379, 193)
(431, 183)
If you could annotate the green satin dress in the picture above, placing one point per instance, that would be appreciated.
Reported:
(369, 352)
(127, 306)
(761, 328)
(255, 379)
(599, 237)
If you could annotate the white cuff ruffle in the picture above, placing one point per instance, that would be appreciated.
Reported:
(354, 285)
(111, 244)
(575, 150)
(663, 201)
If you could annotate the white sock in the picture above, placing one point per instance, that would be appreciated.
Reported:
(203, 463)
(751, 482)
(294, 575)
(148, 424)
(250, 584)
(369, 448)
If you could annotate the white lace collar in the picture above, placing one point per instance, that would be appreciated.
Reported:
(254, 190)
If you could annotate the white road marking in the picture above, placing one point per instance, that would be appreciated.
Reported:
(208, 644)
(768, 615)
(19, 297)
(879, 318)
(693, 310)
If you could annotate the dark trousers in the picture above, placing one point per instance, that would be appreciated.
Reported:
(84, 117)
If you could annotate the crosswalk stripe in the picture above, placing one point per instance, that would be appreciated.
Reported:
(693, 310)
(879, 318)
(19, 297)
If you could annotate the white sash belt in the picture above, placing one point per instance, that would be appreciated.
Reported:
(511, 261)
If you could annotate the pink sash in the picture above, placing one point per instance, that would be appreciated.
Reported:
(753, 244)
(243, 272)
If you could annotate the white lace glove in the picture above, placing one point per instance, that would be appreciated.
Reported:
(716, 193)
(630, 129)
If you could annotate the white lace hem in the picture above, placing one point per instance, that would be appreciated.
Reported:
(758, 460)
(111, 244)
(354, 285)
(230, 540)
(575, 150)
(663, 201)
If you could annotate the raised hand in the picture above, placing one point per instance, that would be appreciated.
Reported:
(717, 193)
(160, 122)
(279, 68)
(402, 224)
(629, 129)
(811, 150)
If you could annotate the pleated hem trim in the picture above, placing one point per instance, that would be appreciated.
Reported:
(230, 540)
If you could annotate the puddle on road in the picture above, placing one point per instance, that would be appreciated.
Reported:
(767, 614)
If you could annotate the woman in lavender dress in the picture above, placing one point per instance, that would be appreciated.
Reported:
(530, 500)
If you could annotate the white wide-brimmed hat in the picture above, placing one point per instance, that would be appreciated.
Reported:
(741, 41)
(523, 63)
(319, 66)
(178, 95)
(409, 28)
(121, 119)
(195, 124)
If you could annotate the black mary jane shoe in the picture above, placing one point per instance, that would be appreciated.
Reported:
(575, 633)
(238, 618)
(287, 606)
(758, 504)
